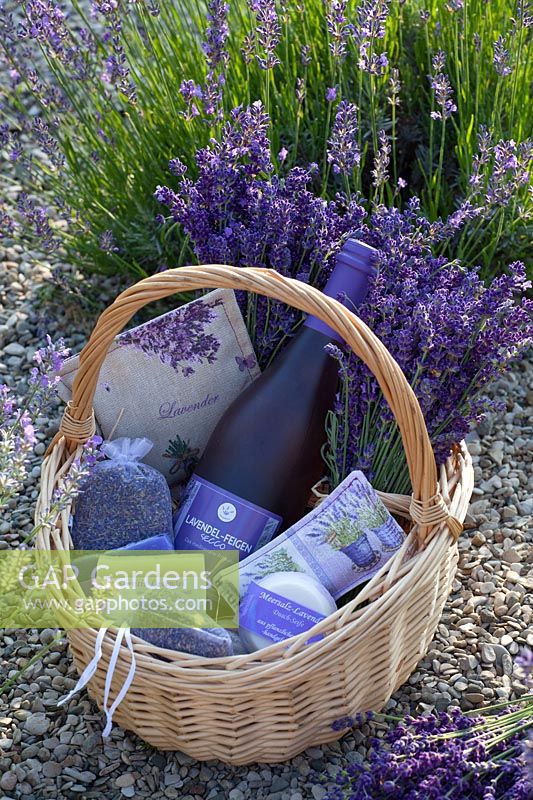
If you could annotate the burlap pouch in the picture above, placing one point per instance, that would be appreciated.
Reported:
(172, 378)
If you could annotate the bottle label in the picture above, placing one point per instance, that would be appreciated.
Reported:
(275, 617)
(212, 518)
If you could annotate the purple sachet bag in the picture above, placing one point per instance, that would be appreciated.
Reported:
(122, 500)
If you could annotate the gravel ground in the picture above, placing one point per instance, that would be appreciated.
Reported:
(47, 752)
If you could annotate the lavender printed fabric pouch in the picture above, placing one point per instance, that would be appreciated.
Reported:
(172, 378)
(342, 543)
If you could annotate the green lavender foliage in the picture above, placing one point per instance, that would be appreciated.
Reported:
(343, 532)
(278, 561)
(111, 142)
(373, 516)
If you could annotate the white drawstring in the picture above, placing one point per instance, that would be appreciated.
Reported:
(89, 670)
(92, 666)
(121, 633)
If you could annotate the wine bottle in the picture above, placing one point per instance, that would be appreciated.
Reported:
(255, 476)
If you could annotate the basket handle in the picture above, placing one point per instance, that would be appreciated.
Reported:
(427, 506)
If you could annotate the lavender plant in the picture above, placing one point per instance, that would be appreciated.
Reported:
(386, 98)
(17, 435)
(450, 333)
(17, 423)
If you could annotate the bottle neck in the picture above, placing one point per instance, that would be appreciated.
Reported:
(346, 283)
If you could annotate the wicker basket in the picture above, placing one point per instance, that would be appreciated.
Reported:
(270, 705)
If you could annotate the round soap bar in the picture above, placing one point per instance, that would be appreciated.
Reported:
(282, 605)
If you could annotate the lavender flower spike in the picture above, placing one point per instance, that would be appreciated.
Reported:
(371, 19)
(216, 34)
(338, 27)
(267, 32)
(343, 150)
(442, 88)
(216, 56)
(438, 61)
(371, 16)
(380, 173)
(502, 59)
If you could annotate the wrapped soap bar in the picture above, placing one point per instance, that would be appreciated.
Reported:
(281, 605)
(152, 543)
(122, 500)
(342, 542)
(206, 642)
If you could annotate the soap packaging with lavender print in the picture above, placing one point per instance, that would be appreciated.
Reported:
(342, 543)
(171, 379)
(122, 501)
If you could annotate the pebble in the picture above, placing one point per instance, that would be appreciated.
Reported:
(496, 452)
(84, 777)
(526, 507)
(36, 724)
(511, 556)
(47, 635)
(14, 349)
(491, 484)
(499, 651)
(91, 743)
(52, 769)
(8, 781)
(61, 752)
(475, 697)
(509, 512)
(127, 779)
(468, 663)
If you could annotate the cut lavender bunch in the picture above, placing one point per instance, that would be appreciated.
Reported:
(449, 331)
(451, 755)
